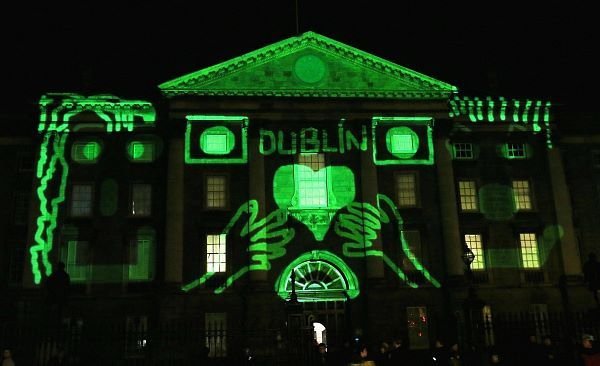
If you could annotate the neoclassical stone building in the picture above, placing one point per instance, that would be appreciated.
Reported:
(312, 167)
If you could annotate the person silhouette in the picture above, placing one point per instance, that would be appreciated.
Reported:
(591, 275)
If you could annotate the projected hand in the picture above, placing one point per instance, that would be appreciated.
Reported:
(267, 238)
(360, 224)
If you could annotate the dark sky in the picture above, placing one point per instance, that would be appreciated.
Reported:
(127, 48)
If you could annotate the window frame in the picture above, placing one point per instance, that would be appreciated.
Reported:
(227, 190)
(130, 212)
(84, 141)
(454, 150)
(507, 149)
(537, 250)
(417, 190)
(531, 195)
(476, 195)
(92, 199)
(206, 252)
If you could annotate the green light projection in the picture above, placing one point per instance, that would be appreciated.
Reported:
(528, 112)
(496, 202)
(141, 151)
(216, 139)
(359, 224)
(408, 140)
(320, 275)
(59, 112)
(85, 152)
(313, 198)
(309, 66)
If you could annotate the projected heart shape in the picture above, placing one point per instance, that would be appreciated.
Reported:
(313, 197)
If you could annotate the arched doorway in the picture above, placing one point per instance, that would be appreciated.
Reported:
(323, 284)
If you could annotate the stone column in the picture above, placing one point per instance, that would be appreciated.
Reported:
(256, 167)
(174, 214)
(564, 217)
(448, 208)
(369, 188)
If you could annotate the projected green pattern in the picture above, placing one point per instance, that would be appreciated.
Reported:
(530, 112)
(358, 223)
(403, 142)
(319, 274)
(216, 141)
(141, 151)
(57, 111)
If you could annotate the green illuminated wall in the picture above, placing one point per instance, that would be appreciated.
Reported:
(58, 118)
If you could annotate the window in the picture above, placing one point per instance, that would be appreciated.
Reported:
(215, 325)
(473, 241)
(81, 200)
(539, 314)
(76, 259)
(413, 239)
(463, 151)
(216, 253)
(313, 191)
(85, 152)
(406, 189)
(141, 199)
(141, 151)
(522, 194)
(488, 325)
(529, 251)
(216, 191)
(515, 151)
(140, 258)
(418, 330)
(467, 190)
(20, 207)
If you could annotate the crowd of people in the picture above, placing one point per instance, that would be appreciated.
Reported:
(529, 352)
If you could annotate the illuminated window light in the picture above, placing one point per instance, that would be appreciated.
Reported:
(473, 241)
(216, 253)
(216, 191)
(529, 251)
(468, 195)
(522, 194)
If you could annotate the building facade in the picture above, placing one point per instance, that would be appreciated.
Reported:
(306, 168)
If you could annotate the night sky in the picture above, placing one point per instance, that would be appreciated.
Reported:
(128, 49)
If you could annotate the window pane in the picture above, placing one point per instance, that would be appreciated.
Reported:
(473, 241)
(468, 195)
(215, 325)
(216, 254)
(216, 188)
(529, 250)
(141, 151)
(516, 151)
(406, 189)
(314, 184)
(85, 152)
(141, 199)
(81, 200)
(522, 194)
(463, 151)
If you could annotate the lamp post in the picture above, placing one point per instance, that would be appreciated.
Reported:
(472, 305)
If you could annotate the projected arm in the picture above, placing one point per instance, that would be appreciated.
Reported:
(360, 225)
(267, 238)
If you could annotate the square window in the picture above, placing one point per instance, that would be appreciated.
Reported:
(216, 143)
(463, 151)
(402, 143)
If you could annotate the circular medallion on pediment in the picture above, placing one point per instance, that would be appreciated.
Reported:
(310, 68)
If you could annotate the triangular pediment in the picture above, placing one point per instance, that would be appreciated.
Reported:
(309, 65)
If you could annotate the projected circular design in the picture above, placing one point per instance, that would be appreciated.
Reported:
(402, 142)
(218, 140)
(310, 69)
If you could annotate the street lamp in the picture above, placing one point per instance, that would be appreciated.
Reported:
(468, 257)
